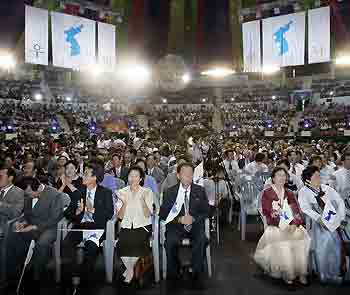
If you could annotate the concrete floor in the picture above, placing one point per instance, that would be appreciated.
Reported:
(234, 272)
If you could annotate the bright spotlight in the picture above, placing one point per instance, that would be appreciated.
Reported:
(135, 73)
(68, 98)
(232, 99)
(95, 70)
(218, 72)
(270, 70)
(186, 78)
(204, 100)
(331, 93)
(164, 100)
(273, 96)
(343, 61)
(7, 62)
(38, 96)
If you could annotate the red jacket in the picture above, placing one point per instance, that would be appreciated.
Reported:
(269, 195)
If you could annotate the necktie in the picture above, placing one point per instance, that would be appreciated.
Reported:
(293, 169)
(230, 166)
(187, 209)
(2, 194)
(89, 204)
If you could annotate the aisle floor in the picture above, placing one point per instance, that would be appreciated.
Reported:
(234, 272)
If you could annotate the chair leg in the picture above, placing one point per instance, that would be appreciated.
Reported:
(155, 252)
(164, 262)
(239, 221)
(243, 226)
(108, 253)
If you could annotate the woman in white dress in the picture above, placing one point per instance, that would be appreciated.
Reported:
(283, 250)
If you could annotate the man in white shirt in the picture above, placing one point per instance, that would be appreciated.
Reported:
(342, 177)
(257, 165)
(295, 167)
(326, 172)
(231, 165)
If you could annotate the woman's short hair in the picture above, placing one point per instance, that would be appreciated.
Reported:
(141, 161)
(283, 162)
(277, 169)
(71, 162)
(314, 158)
(308, 172)
(140, 171)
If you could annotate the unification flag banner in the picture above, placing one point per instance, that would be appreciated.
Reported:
(329, 217)
(251, 46)
(319, 36)
(106, 47)
(73, 41)
(286, 215)
(36, 35)
(284, 40)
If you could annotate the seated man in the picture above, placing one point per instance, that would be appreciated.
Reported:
(43, 209)
(90, 209)
(185, 208)
(11, 197)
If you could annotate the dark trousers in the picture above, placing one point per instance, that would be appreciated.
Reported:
(174, 234)
(69, 250)
(17, 247)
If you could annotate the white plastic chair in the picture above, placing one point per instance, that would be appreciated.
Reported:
(249, 204)
(185, 242)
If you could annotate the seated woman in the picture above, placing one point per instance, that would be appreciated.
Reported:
(313, 198)
(283, 249)
(135, 214)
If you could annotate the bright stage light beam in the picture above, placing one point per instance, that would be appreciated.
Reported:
(268, 70)
(135, 73)
(186, 78)
(38, 96)
(218, 72)
(343, 61)
(7, 62)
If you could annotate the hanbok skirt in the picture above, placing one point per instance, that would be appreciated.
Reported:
(283, 253)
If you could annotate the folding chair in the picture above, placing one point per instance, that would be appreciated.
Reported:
(249, 204)
(185, 242)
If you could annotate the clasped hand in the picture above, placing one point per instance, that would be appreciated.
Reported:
(186, 220)
(24, 227)
(88, 208)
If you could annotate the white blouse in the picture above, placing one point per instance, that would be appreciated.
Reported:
(307, 199)
(134, 216)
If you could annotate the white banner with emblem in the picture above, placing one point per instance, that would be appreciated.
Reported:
(73, 41)
(251, 46)
(319, 35)
(36, 35)
(106, 47)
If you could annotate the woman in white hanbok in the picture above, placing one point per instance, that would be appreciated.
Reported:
(283, 250)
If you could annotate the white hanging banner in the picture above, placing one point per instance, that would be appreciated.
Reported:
(284, 40)
(251, 46)
(36, 35)
(73, 41)
(319, 35)
(106, 47)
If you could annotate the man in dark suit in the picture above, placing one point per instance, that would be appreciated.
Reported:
(43, 209)
(245, 160)
(90, 209)
(185, 208)
(118, 171)
(11, 197)
(154, 170)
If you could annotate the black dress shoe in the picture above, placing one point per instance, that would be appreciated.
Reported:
(198, 282)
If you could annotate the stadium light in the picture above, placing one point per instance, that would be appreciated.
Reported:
(68, 98)
(218, 72)
(269, 70)
(7, 62)
(343, 60)
(135, 73)
(95, 70)
(186, 78)
(204, 100)
(164, 100)
(273, 97)
(38, 96)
